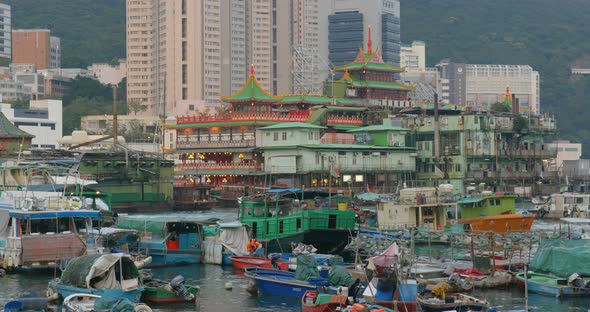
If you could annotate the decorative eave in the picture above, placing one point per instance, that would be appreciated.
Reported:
(371, 61)
(251, 91)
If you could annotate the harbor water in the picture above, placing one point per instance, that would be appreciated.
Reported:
(214, 297)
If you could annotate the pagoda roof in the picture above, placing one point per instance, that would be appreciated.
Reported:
(377, 84)
(8, 130)
(251, 91)
(370, 61)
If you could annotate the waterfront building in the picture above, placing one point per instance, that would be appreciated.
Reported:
(345, 24)
(222, 148)
(43, 120)
(480, 85)
(5, 31)
(36, 46)
(503, 150)
(12, 90)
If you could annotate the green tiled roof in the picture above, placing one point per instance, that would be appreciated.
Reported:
(380, 85)
(292, 125)
(251, 91)
(376, 128)
(371, 61)
(8, 130)
(291, 98)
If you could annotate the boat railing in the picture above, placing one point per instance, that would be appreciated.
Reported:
(50, 203)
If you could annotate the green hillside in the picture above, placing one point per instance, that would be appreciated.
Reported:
(546, 34)
(91, 31)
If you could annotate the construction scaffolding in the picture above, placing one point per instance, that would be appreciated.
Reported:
(309, 70)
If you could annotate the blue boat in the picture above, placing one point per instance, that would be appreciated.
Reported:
(552, 285)
(168, 242)
(280, 283)
(110, 275)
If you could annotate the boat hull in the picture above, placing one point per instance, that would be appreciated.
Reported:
(331, 241)
(548, 285)
(242, 262)
(278, 283)
(463, 303)
(159, 295)
(66, 290)
(500, 224)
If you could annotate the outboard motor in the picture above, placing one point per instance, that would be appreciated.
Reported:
(179, 289)
(576, 281)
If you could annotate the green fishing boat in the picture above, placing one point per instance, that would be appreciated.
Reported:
(158, 291)
(280, 217)
(137, 182)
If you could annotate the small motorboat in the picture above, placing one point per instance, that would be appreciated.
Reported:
(555, 286)
(242, 262)
(159, 291)
(80, 302)
(281, 283)
(451, 302)
(110, 275)
(86, 303)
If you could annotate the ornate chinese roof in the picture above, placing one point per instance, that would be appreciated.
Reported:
(8, 130)
(251, 91)
(368, 61)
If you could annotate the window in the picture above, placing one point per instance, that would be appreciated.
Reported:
(284, 136)
(275, 136)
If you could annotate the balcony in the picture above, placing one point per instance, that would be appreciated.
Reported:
(199, 166)
(534, 153)
(359, 168)
(215, 141)
(344, 120)
(297, 116)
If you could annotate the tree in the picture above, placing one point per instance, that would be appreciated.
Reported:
(520, 124)
(21, 102)
(136, 107)
(500, 107)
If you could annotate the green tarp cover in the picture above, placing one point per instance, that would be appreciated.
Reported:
(114, 304)
(563, 257)
(210, 231)
(154, 226)
(339, 276)
(78, 269)
(306, 268)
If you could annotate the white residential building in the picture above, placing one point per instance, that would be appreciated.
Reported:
(480, 85)
(55, 53)
(413, 57)
(5, 31)
(566, 150)
(44, 120)
(108, 74)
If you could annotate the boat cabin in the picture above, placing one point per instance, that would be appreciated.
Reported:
(491, 205)
(40, 239)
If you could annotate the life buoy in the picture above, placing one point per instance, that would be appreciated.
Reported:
(141, 307)
(566, 213)
(541, 213)
(74, 203)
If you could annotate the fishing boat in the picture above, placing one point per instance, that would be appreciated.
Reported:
(280, 283)
(228, 196)
(167, 242)
(452, 302)
(159, 291)
(493, 213)
(314, 302)
(281, 217)
(191, 196)
(552, 285)
(242, 262)
(111, 275)
(38, 232)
